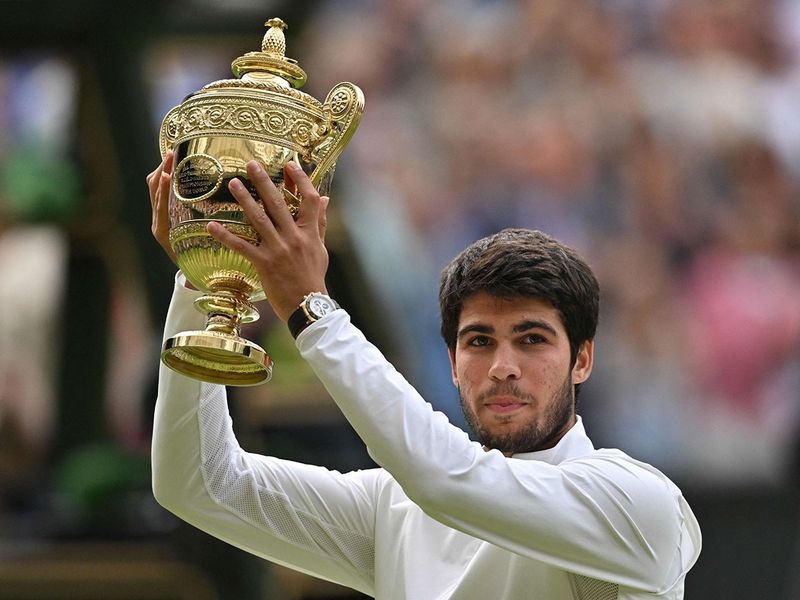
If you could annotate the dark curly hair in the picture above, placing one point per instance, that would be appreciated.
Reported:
(523, 263)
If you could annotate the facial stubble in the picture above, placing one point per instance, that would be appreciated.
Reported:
(537, 434)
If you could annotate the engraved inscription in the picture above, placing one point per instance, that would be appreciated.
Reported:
(197, 177)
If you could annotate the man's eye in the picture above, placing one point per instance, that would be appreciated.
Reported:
(533, 338)
(480, 340)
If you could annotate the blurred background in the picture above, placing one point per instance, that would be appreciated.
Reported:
(660, 138)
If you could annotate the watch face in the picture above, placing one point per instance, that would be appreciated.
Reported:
(319, 305)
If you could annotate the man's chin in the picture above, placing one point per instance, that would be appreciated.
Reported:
(512, 442)
(519, 439)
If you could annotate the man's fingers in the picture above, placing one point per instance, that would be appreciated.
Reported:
(252, 210)
(152, 182)
(161, 206)
(289, 185)
(230, 240)
(154, 178)
(274, 203)
(309, 207)
(158, 184)
(155, 172)
(322, 222)
(169, 159)
(163, 190)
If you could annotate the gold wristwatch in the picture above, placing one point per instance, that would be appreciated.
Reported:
(313, 307)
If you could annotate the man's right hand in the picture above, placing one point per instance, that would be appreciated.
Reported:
(158, 183)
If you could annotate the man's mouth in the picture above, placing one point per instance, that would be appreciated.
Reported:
(504, 405)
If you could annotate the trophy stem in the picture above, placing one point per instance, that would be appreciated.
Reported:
(227, 309)
(223, 324)
(219, 354)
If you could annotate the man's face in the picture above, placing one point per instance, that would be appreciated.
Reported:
(512, 368)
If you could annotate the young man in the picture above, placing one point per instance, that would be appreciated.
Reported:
(532, 511)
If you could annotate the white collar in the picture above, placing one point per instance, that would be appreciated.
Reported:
(573, 444)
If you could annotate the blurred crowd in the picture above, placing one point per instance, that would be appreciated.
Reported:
(661, 139)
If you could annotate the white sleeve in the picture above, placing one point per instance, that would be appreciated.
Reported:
(305, 517)
(605, 516)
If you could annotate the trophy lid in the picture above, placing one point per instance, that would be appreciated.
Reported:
(264, 103)
(271, 62)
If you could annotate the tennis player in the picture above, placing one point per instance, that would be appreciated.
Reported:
(530, 511)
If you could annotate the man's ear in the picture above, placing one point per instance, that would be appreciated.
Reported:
(452, 354)
(583, 362)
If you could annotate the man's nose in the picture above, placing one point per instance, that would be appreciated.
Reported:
(505, 365)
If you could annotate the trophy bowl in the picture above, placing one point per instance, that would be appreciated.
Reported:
(260, 115)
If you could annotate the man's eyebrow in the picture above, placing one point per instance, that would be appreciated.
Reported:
(527, 325)
(475, 328)
(521, 327)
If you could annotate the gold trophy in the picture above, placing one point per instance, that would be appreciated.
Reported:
(214, 132)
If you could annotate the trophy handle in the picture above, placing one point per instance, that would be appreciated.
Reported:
(342, 108)
(169, 130)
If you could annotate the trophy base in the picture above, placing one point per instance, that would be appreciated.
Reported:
(217, 358)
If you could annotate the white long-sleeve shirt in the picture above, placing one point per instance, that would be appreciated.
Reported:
(442, 518)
